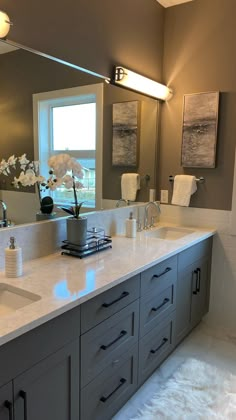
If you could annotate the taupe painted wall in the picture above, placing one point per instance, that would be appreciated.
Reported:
(95, 34)
(199, 56)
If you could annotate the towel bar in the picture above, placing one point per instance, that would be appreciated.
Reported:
(201, 179)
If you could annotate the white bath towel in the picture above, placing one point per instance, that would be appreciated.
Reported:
(184, 187)
(130, 184)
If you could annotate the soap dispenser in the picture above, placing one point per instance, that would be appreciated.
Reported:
(13, 260)
(130, 226)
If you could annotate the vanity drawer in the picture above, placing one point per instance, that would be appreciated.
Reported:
(104, 343)
(154, 307)
(194, 253)
(108, 303)
(155, 346)
(160, 273)
(106, 394)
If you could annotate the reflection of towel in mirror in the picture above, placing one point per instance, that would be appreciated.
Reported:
(184, 187)
(130, 183)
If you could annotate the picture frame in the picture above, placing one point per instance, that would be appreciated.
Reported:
(125, 133)
(199, 132)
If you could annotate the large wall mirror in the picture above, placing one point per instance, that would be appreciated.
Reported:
(24, 74)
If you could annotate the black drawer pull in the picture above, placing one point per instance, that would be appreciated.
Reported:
(196, 283)
(122, 296)
(9, 406)
(122, 334)
(122, 382)
(159, 347)
(165, 301)
(198, 279)
(163, 272)
(23, 395)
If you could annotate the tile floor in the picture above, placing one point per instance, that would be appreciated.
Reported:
(215, 347)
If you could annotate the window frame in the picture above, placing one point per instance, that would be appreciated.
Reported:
(42, 103)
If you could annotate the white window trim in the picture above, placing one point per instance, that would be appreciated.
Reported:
(95, 90)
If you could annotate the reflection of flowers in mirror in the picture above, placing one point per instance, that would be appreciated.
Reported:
(65, 171)
(29, 174)
(28, 177)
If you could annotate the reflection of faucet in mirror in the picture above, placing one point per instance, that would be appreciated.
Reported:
(3, 221)
(122, 200)
(156, 206)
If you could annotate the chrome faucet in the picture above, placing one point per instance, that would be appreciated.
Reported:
(122, 200)
(3, 222)
(156, 205)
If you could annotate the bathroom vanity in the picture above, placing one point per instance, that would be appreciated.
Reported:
(102, 326)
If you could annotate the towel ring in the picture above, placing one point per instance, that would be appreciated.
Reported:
(201, 179)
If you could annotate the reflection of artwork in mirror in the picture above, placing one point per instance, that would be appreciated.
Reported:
(125, 118)
(200, 117)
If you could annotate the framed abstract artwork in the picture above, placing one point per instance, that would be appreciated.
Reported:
(125, 133)
(199, 135)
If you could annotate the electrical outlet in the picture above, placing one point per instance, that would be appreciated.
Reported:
(164, 196)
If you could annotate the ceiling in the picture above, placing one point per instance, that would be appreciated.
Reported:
(169, 3)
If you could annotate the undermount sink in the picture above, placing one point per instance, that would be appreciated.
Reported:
(13, 298)
(169, 233)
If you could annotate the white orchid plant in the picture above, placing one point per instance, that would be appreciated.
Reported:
(64, 170)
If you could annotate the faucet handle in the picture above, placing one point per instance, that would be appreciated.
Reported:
(153, 221)
(139, 226)
(158, 204)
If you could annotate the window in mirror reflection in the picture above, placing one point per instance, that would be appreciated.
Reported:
(66, 121)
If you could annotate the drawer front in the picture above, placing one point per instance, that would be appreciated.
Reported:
(104, 343)
(154, 307)
(155, 346)
(108, 303)
(162, 272)
(105, 395)
(194, 253)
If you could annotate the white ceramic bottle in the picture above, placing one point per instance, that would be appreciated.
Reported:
(130, 225)
(13, 260)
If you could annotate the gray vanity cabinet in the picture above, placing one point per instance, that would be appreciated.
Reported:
(6, 402)
(157, 316)
(193, 287)
(47, 391)
(39, 372)
(106, 394)
(86, 363)
(109, 350)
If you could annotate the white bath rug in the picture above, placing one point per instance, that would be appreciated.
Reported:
(196, 391)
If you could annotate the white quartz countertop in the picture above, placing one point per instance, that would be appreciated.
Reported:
(63, 282)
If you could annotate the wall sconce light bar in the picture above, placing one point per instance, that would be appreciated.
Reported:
(4, 24)
(142, 84)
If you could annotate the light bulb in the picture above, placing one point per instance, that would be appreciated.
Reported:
(4, 24)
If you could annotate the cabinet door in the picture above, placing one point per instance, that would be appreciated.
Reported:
(192, 296)
(6, 404)
(183, 302)
(200, 285)
(50, 389)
